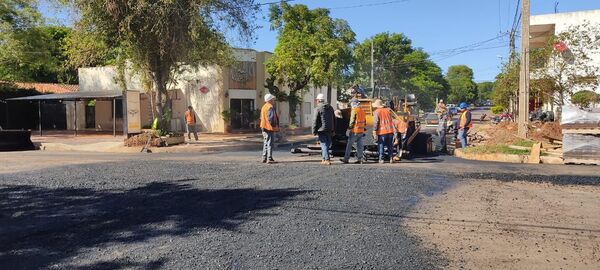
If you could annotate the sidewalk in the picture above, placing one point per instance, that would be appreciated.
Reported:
(207, 142)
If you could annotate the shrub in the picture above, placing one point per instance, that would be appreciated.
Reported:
(498, 109)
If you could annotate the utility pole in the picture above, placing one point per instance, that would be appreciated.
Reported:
(372, 67)
(524, 76)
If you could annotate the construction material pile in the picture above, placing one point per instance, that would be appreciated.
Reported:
(581, 135)
(143, 139)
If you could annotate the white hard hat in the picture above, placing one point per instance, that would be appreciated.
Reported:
(320, 97)
(269, 97)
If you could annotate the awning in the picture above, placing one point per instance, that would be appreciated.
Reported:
(72, 96)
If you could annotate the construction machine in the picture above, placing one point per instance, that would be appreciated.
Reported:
(414, 142)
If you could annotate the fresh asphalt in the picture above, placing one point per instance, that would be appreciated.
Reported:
(226, 211)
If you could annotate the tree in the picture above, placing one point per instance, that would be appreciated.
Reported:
(312, 49)
(585, 98)
(462, 86)
(484, 90)
(399, 67)
(159, 38)
(565, 64)
(506, 87)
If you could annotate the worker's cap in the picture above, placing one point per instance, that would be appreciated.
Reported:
(320, 97)
(378, 103)
(269, 97)
(441, 100)
(463, 105)
(354, 103)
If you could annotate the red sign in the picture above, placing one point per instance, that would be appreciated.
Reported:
(560, 46)
(204, 89)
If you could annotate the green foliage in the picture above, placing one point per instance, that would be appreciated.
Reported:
(585, 98)
(524, 143)
(312, 49)
(484, 90)
(507, 85)
(498, 109)
(495, 149)
(226, 115)
(462, 86)
(159, 38)
(399, 67)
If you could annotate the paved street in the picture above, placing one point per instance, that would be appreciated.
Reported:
(228, 211)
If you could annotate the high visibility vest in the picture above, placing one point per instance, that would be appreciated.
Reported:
(401, 126)
(386, 125)
(360, 122)
(190, 118)
(264, 118)
(463, 120)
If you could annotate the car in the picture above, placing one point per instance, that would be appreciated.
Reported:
(431, 119)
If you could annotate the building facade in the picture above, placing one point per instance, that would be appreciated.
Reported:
(237, 90)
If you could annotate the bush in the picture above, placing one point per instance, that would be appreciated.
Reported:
(498, 109)
(585, 98)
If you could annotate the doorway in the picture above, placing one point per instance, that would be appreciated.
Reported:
(90, 114)
(242, 113)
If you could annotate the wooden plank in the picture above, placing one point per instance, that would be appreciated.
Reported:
(581, 131)
(534, 156)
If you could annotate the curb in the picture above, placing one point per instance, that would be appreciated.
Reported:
(505, 158)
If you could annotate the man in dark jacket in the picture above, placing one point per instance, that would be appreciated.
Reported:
(323, 126)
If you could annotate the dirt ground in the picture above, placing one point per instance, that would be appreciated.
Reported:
(490, 224)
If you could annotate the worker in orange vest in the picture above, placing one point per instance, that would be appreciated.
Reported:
(383, 130)
(190, 123)
(356, 132)
(464, 124)
(269, 124)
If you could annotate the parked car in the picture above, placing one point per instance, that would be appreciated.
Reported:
(431, 119)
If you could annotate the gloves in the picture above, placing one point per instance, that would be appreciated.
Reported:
(375, 135)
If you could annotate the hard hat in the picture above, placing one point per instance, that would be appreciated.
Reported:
(320, 97)
(269, 97)
(354, 103)
(377, 104)
(463, 105)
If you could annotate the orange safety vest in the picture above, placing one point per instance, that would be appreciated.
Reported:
(401, 126)
(463, 120)
(360, 122)
(264, 118)
(386, 125)
(190, 118)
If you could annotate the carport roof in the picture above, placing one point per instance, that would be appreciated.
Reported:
(73, 96)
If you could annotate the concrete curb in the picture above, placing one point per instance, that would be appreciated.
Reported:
(506, 158)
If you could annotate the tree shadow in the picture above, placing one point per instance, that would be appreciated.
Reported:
(40, 227)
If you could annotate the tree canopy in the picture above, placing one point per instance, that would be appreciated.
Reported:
(399, 67)
(160, 37)
(312, 49)
(462, 86)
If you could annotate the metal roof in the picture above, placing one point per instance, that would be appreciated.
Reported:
(73, 96)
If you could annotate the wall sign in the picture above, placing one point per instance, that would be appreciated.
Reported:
(134, 121)
(204, 89)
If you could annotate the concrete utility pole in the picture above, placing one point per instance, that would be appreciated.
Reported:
(372, 67)
(524, 77)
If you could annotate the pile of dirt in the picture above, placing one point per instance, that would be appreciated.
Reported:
(142, 139)
(502, 133)
(552, 130)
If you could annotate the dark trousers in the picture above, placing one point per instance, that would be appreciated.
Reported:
(385, 141)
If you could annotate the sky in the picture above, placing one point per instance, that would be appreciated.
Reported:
(433, 25)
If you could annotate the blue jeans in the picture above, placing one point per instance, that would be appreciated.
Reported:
(358, 138)
(385, 141)
(462, 136)
(325, 140)
(268, 144)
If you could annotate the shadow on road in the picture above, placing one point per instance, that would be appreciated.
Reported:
(41, 227)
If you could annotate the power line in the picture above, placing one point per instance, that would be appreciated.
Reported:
(370, 5)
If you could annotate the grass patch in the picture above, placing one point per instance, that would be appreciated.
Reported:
(495, 149)
(524, 143)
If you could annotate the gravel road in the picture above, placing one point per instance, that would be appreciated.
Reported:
(220, 211)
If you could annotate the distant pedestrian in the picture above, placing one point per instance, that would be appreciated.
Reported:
(269, 124)
(441, 109)
(190, 123)
(464, 124)
(356, 132)
(383, 130)
(442, 129)
(323, 126)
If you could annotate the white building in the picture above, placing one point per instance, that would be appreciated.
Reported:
(210, 90)
(545, 26)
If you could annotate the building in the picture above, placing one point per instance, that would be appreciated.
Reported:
(543, 27)
(211, 90)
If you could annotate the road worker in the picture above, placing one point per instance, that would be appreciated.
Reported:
(356, 132)
(190, 123)
(323, 126)
(400, 129)
(383, 130)
(464, 124)
(269, 124)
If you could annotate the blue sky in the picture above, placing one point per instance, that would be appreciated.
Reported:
(434, 25)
